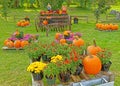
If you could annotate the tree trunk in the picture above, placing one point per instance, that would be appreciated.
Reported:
(16, 3)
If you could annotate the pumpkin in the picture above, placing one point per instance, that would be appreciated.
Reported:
(78, 42)
(9, 44)
(24, 43)
(60, 11)
(94, 49)
(57, 35)
(27, 22)
(92, 64)
(116, 27)
(6, 41)
(97, 25)
(62, 41)
(18, 23)
(45, 22)
(17, 44)
(22, 24)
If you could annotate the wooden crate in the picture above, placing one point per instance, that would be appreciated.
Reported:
(101, 79)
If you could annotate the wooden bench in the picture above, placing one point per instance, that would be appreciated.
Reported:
(55, 22)
(80, 18)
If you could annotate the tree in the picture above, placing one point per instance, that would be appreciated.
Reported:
(102, 8)
(55, 4)
(4, 8)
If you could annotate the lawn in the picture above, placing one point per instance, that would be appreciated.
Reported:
(13, 63)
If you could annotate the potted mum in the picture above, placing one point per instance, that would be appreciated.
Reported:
(104, 56)
(48, 53)
(34, 51)
(52, 69)
(36, 68)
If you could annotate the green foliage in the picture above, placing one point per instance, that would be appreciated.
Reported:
(33, 51)
(59, 50)
(51, 70)
(4, 9)
(55, 4)
(104, 56)
(101, 9)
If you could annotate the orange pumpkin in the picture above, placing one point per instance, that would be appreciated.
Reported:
(18, 23)
(9, 44)
(45, 22)
(116, 27)
(97, 25)
(57, 35)
(92, 64)
(78, 42)
(17, 44)
(24, 43)
(93, 49)
(6, 41)
(22, 24)
(27, 23)
(62, 41)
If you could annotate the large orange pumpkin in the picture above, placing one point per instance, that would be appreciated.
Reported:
(93, 49)
(92, 64)
(17, 44)
(24, 43)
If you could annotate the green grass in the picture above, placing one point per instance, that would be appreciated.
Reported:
(13, 63)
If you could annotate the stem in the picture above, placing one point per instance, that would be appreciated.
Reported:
(94, 42)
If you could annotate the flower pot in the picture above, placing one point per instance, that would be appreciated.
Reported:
(106, 66)
(45, 58)
(66, 37)
(37, 76)
(51, 80)
(79, 70)
(64, 77)
(36, 59)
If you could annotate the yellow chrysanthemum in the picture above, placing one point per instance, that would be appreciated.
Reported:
(36, 67)
(66, 33)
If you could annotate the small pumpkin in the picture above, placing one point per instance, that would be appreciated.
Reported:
(9, 44)
(27, 23)
(22, 24)
(6, 41)
(62, 41)
(45, 22)
(92, 64)
(18, 23)
(94, 49)
(17, 44)
(78, 42)
(57, 35)
(24, 43)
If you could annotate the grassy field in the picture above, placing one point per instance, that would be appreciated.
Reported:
(13, 63)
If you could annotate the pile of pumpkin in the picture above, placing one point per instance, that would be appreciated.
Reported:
(68, 37)
(19, 40)
(107, 27)
(59, 12)
(95, 57)
(23, 23)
